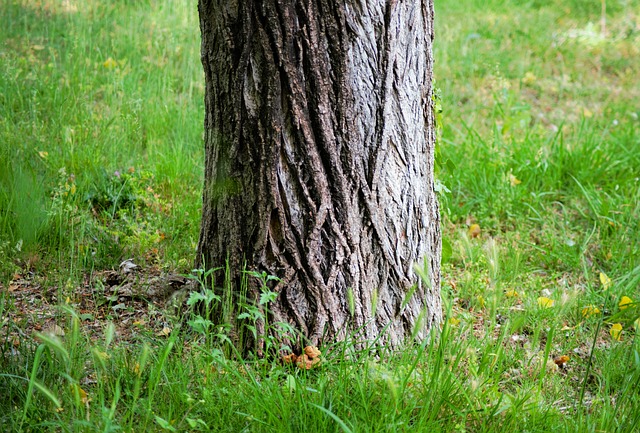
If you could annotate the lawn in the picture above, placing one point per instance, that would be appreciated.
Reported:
(538, 171)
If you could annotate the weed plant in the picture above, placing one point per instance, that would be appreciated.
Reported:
(538, 161)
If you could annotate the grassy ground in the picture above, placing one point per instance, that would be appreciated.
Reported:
(539, 169)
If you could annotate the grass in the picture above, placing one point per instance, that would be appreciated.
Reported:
(89, 91)
(101, 160)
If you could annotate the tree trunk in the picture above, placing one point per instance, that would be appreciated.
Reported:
(319, 139)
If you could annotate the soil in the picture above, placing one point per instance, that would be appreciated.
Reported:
(138, 302)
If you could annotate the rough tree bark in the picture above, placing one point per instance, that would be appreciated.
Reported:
(319, 138)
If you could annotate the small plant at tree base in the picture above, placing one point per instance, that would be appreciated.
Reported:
(273, 336)
(206, 301)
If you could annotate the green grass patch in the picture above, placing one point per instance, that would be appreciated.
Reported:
(96, 97)
(101, 108)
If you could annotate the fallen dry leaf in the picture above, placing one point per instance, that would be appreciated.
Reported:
(54, 330)
(616, 331)
(605, 281)
(561, 360)
(529, 78)
(164, 332)
(474, 231)
(514, 180)
(545, 302)
(81, 393)
(110, 63)
(590, 310)
(625, 302)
